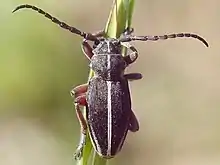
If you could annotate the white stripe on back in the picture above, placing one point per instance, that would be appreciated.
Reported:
(109, 106)
(109, 83)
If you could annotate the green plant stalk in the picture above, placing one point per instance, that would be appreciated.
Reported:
(119, 19)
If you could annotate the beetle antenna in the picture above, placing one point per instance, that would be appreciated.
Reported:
(63, 25)
(163, 37)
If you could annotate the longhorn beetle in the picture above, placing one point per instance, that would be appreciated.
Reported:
(107, 98)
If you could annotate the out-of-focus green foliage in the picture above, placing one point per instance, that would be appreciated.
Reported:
(39, 64)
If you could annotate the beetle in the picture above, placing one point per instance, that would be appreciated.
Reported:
(109, 115)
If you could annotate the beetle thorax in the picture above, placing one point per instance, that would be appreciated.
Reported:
(108, 66)
(107, 60)
(108, 46)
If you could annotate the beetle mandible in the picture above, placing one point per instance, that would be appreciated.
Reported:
(107, 98)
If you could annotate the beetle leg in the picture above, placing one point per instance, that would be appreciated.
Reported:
(133, 76)
(130, 58)
(87, 49)
(79, 90)
(81, 100)
(133, 123)
(78, 153)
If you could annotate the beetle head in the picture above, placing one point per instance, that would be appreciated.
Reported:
(107, 46)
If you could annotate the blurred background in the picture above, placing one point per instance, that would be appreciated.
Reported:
(177, 101)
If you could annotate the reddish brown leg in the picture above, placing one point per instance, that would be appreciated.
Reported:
(134, 124)
(79, 90)
(130, 58)
(86, 48)
(81, 101)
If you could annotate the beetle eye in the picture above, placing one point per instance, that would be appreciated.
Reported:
(117, 43)
(96, 42)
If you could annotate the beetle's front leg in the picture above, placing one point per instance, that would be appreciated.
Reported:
(130, 58)
(80, 101)
(86, 48)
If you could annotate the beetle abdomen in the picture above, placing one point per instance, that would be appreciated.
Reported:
(108, 114)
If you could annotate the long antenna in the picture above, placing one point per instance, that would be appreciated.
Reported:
(163, 37)
(56, 21)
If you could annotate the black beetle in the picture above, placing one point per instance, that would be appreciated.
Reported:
(106, 96)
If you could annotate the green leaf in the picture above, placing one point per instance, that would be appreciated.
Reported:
(117, 19)
(130, 12)
(97, 160)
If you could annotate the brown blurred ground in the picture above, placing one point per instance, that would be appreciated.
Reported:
(177, 102)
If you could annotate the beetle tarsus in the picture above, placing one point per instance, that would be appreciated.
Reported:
(79, 151)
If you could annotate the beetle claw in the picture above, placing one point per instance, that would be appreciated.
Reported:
(78, 154)
(72, 93)
(79, 151)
